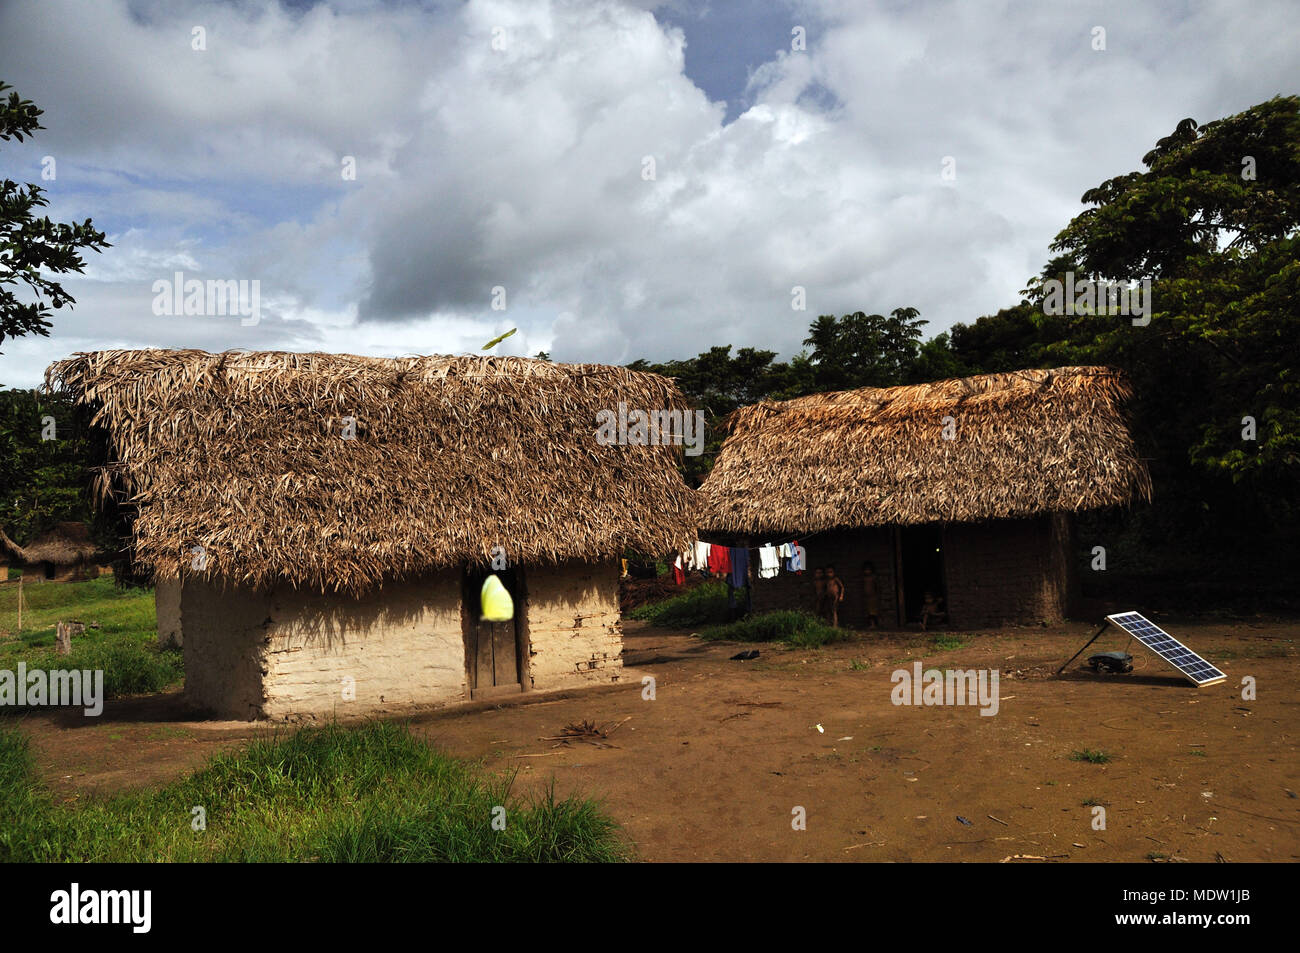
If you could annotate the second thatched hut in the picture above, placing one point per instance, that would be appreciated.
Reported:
(961, 489)
(63, 553)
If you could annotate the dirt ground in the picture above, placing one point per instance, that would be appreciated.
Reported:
(714, 767)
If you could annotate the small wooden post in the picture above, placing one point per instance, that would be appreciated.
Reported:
(20, 606)
(63, 640)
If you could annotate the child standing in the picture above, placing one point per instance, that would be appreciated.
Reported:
(834, 596)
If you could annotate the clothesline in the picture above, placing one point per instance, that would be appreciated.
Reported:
(733, 561)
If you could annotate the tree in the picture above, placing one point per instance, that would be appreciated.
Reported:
(1229, 186)
(44, 453)
(937, 360)
(1214, 222)
(864, 350)
(28, 244)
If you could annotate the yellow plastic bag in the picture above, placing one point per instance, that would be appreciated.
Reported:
(497, 604)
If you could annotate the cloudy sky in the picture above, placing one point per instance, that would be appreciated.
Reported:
(640, 179)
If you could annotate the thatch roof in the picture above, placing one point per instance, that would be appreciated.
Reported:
(64, 544)
(1026, 443)
(242, 453)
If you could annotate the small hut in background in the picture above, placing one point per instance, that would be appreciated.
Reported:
(320, 525)
(63, 553)
(961, 488)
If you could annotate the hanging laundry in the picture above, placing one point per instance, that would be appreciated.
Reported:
(798, 558)
(679, 574)
(739, 577)
(719, 560)
(768, 562)
(700, 556)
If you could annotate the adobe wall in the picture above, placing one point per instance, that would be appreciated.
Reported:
(224, 646)
(574, 632)
(285, 654)
(167, 607)
(1006, 571)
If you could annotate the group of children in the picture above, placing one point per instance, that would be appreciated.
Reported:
(828, 590)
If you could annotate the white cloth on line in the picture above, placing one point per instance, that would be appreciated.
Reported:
(768, 564)
(702, 555)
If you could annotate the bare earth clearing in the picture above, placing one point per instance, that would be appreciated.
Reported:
(712, 768)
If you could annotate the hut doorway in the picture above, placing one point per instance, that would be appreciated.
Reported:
(493, 650)
(919, 551)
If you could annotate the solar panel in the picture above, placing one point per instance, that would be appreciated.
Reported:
(1197, 670)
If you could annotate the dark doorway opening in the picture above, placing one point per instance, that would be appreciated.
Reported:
(494, 651)
(920, 551)
(49, 570)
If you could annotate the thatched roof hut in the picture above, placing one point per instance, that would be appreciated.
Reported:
(1023, 443)
(244, 454)
(1007, 448)
(63, 551)
(317, 518)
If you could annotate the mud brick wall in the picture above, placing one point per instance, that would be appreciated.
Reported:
(223, 648)
(167, 612)
(846, 550)
(401, 645)
(283, 654)
(1006, 571)
(573, 627)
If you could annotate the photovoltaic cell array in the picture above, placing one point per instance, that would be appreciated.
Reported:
(1197, 670)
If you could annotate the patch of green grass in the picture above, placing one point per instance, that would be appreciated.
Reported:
(1197, 752)
(123, 642)
(703, 605)
(161, 732)
(373, 793)
(1089, 755)
(791, 627)
(947, 642)
(858, 665)
(1092, 802)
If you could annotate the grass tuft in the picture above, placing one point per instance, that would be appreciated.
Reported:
(367, 794)
(703, 605)
(793, 628)
(1090, 756)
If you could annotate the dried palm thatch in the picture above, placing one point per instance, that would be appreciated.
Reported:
(1026, 443)
(65, 544)
(243, 454)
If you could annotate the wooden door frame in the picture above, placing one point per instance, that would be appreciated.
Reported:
(900, 605)
(470, 632)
